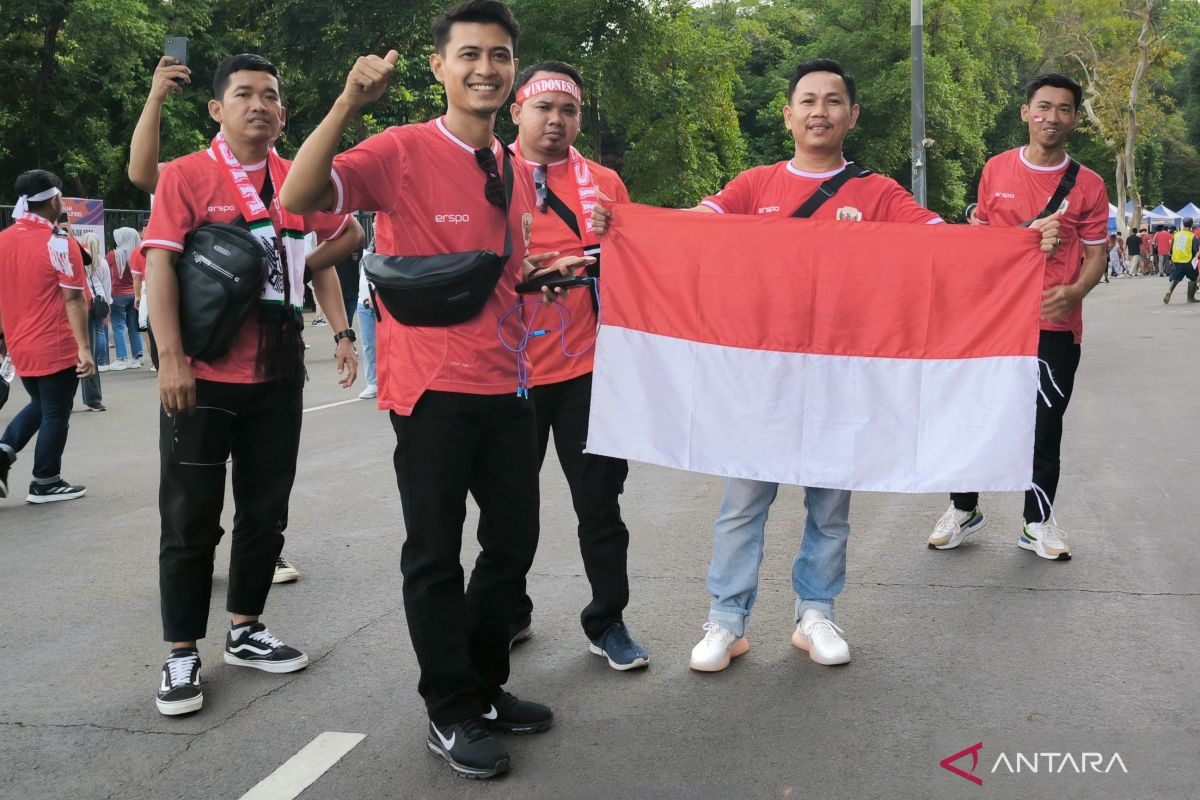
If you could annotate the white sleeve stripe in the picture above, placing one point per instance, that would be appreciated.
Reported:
(69, 286)
(936, 221)
(713, 206)
(339, 194)
(341, 228)
(163, 244)
(1097, 241)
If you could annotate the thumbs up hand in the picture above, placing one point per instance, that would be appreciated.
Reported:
(369, 79)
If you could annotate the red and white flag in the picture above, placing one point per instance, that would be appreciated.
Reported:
(847, 355)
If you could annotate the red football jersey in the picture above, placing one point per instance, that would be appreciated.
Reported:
(428, 192)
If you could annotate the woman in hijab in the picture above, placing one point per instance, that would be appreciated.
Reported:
(98, 285)
(124, 314)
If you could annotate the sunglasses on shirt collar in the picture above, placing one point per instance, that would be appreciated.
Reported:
(539, 184)
(493, 190)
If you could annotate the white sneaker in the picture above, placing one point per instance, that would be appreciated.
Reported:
(1045, 539)
(816, 634)
(371, 391)
(117, 366)
(954, 527)
(134, 363)
(104, 368)
(718, 647)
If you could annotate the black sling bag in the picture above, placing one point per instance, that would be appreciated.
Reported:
(442, 290)
(829, 188)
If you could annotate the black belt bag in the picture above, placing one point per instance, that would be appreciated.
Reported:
(442, 290)
(221, 275)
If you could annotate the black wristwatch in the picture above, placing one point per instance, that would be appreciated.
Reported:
(346, 334)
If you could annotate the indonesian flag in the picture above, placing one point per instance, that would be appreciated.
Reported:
(846, 355)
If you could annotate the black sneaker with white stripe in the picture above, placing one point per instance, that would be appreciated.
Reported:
(507, 714)
(53, 492)
(252, 645)
(179, 692)
(470, 750)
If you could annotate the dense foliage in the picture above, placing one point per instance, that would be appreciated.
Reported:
(679, 95)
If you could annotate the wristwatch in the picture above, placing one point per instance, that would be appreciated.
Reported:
(346, 334)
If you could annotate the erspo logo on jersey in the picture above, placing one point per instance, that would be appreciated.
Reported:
(452, 219)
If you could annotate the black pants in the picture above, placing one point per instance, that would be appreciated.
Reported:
(1059, 351)
(257, 426)
(596, 483)
(451, 445)
(48, 414)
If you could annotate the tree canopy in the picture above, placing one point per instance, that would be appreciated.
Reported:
(679, 96)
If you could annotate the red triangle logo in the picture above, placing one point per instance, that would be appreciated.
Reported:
(947, 763)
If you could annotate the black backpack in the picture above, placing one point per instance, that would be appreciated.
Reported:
(221, 275)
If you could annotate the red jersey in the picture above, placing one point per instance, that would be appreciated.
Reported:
(137, 263)
(193, 191)
(780, 189)
(1162, 243)
(1146, 251)
(1013, 191)
(36, 328)
(551, 234)
(428, 191)
(122, 286)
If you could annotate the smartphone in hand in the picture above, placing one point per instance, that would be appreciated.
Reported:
(176, 48)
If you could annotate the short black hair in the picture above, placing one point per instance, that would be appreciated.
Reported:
(1187, 222)
(559, 67)
(1058, 82)
(823, 65)
(36, 181)
(486, 11)
(242, 61)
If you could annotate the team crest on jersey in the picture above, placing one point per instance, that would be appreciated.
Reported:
(527, 228)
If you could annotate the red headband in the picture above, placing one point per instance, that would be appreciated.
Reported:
(534, 88)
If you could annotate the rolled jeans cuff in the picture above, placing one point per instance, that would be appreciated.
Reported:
(824, 607)
(730, 618)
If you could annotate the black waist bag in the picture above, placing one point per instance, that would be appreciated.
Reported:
(442, 290)
(221, 275)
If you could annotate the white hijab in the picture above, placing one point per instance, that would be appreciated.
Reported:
(127, 240)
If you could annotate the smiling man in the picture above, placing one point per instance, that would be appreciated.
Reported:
(244, 406)
(1016, 187)
(461, 424)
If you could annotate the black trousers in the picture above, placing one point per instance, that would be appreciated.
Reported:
(454, 444)
(1061, 354)
(596, 483)
(257, 427)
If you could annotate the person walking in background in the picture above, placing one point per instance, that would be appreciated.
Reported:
(98, 296)
(1184, 248)
(366, 334)
(1162, 249)
(124, 314)
(1133, 249)
(44, 324)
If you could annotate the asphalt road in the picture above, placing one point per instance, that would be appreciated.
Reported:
(985, 644)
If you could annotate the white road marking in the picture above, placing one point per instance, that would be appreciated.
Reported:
(332, 405)
(302, 770)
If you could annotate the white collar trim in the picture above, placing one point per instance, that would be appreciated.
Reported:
(248, 167)
(1021, 154)
(819, 175)
(441, 126)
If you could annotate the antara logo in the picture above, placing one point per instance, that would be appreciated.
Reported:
(1043, 762)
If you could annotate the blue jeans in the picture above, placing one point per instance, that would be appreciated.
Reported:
(125, 318)
(48, 415)
(100, 341)
(818, 573)
(366, 335)
(90, 387)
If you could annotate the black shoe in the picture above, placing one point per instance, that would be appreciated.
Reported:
(470, 750)
(53, 492)
(4, 467)
(96, 407)
(284, 572)
(179, 692)
(519, 631)
(507, 714)
(255, 646)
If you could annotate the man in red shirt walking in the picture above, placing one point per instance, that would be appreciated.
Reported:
(1014, 189)
(43, 324)
(547, 113)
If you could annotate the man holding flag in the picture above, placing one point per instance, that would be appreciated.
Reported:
(1014, 189)
(819, 183)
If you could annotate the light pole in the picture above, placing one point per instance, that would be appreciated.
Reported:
(918, 102)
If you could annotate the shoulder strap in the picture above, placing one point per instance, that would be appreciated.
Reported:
(1064, 188)
(829, 188)
(564, 213)
(508, 193)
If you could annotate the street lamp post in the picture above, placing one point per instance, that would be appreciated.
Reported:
(918, 102)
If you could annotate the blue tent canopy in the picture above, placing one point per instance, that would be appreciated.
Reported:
(1163, 214)
(1190, 210)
